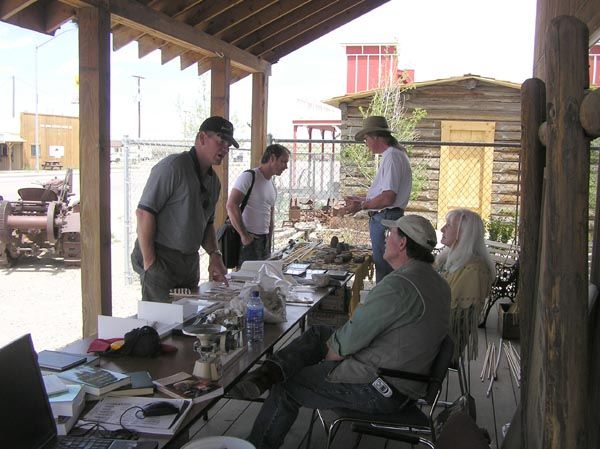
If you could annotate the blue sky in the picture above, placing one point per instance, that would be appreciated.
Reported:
(436, 38)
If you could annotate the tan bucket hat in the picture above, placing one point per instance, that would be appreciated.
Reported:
(372, 124)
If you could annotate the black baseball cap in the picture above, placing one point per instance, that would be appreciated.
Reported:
(222, 127)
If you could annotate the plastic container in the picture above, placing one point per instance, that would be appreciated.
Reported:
(255, 319)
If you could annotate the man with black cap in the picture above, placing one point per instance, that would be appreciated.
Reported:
(400, 326)
(175, 215)
(388, 196)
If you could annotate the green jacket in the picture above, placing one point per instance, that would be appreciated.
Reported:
(400, 326)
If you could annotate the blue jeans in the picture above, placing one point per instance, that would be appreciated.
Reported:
(306, 385)
(377, 231)
(258, 249)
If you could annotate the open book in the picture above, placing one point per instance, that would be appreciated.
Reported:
(187, 386)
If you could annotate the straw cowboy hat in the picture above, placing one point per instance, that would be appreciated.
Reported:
(373, 124)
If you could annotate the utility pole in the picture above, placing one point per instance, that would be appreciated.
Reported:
(13, 96)
(139, 105)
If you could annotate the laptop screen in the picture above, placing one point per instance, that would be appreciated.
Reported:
(25, 415)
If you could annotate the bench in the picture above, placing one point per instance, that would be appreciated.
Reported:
(52, 165)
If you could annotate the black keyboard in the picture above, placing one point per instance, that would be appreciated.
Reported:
(84, 443)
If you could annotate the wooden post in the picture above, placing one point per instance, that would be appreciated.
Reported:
(220, 73)
(94, 144)
(533, 159)
(563, 283)
(260, 90)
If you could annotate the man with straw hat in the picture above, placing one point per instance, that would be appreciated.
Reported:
(388, 195)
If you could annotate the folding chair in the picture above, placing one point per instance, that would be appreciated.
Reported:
(460, 432)
(410, 417)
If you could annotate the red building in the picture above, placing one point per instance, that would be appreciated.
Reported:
(595, 65)
(370, 66)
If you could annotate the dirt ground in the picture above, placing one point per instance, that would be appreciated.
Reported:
(43, 298)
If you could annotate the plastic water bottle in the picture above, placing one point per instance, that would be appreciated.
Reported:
(255, 312)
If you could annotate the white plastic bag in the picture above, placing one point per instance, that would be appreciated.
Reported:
(273, 289)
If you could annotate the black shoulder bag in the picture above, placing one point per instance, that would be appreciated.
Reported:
(228, 239)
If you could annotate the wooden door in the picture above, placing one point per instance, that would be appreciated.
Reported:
(465, 178)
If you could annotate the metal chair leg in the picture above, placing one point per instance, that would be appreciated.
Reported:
(310, 428)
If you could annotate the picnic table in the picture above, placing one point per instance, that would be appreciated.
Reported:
(52, 165)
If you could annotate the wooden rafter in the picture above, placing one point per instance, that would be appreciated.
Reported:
(10, 8)
(235, 16)
(57, 14)
(237, 32)
(289, 20)
(206, 11)
(273, 49)
(169, 52)
(132, 14)
(147, 44)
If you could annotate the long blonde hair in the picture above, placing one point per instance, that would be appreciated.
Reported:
(470, 243)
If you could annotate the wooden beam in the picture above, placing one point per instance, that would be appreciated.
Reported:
(94, 144)
(533, 161)
(200, 16)
(57, 14)
(169, 52)
(123, 35)
(314, 27)
(237, 15)
(283, 23)
(10, 8)
(258, 136)
(147, 44)
(137, 16)
(189, 58)
(219, 105)
(561, 372)
(31, 18)
(276, 11)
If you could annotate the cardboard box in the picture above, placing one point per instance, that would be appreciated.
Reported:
(508, 322)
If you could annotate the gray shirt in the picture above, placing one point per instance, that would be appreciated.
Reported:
(182, 201)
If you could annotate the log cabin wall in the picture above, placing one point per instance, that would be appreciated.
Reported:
(468, 98)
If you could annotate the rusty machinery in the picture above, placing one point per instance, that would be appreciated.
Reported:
(41, 223)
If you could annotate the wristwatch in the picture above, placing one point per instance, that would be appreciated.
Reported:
(216, 251)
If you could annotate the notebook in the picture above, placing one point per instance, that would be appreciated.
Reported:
(26, 420)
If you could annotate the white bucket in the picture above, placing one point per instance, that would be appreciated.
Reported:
(219, 443)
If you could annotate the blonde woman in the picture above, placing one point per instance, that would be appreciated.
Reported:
(466, 265)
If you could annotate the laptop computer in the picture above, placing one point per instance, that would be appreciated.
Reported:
(26, 420)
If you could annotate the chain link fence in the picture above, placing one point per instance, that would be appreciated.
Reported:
(484, 177)
(446, 175)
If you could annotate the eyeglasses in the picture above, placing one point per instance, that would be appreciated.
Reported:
(387, 232)
(220, 140)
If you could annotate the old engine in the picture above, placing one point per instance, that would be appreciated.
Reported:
(41, 223)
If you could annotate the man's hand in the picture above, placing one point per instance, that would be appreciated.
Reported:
(149, 261)
(332, 355)
(216, 268)
(246, 238)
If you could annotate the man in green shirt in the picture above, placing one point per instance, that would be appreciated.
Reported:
(400, 326)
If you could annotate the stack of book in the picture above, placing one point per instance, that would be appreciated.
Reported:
(66, 407)
(141, 385)
(94, 380)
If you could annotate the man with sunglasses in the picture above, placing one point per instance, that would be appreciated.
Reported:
(175, 215)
